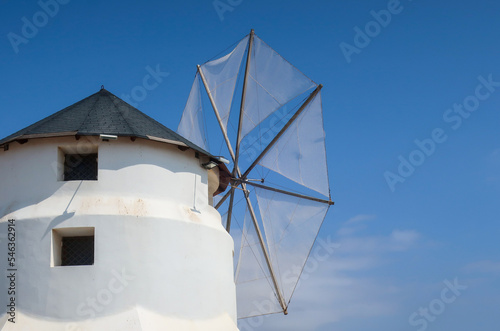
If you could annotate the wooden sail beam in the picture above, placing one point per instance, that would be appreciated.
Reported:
(228, 143)
(236, 169)
(243, 98)
(264, 250)
(298, 195)
(282, 131)
(230, 211)
(217, 114)
(224, 198)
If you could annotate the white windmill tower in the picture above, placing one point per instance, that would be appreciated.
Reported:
(107, 224)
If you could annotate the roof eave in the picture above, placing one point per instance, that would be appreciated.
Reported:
(86, 134)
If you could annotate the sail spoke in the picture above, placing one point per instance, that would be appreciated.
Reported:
(217, 114)
(264, 248)
(222, 200)
(236, 170)
(230, 210)
(293, 194)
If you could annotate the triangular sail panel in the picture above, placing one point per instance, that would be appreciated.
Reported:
(191, 125)
(291, 226)
(300, 153)
(272, 83)
(221, 76)
(254, 289)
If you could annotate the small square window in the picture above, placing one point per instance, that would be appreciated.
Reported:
(77, 251)
(73, 246)
(80, 167)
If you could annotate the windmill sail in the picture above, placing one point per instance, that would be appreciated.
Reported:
(300, 153)
(191, 125)
(269, 262)
(273, 83)
(255, 293)
(221, 75)
(291, 225)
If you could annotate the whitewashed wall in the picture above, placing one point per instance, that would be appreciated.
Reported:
(163, 261)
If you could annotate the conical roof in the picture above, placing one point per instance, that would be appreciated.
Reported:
(101, 113)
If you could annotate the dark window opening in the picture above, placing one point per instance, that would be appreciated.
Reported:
(80, 167)
(77, 251)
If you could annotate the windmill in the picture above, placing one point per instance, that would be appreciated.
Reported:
(272, 128)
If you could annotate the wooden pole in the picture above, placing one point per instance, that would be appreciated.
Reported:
(264, 250)
(217, 114)
(298, 195)
(243, 98)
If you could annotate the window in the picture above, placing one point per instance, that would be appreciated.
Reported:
(73, 246)
(78, 161)
(80, 167)
(77, 251)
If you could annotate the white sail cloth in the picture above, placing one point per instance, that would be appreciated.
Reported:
(221, 76)
(272, 83)
(300, 153)
(255, 293)
(191, 125)
(291, 225)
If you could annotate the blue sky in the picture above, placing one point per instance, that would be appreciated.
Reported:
(400, 245)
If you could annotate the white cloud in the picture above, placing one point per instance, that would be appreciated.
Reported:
(347, 286)
(402, 240)
(360, 218)
(398, 240)
(329, 297)
(406, 236)
(355, 224)
(486, 267)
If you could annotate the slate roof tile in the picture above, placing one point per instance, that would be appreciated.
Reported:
(101, 113)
